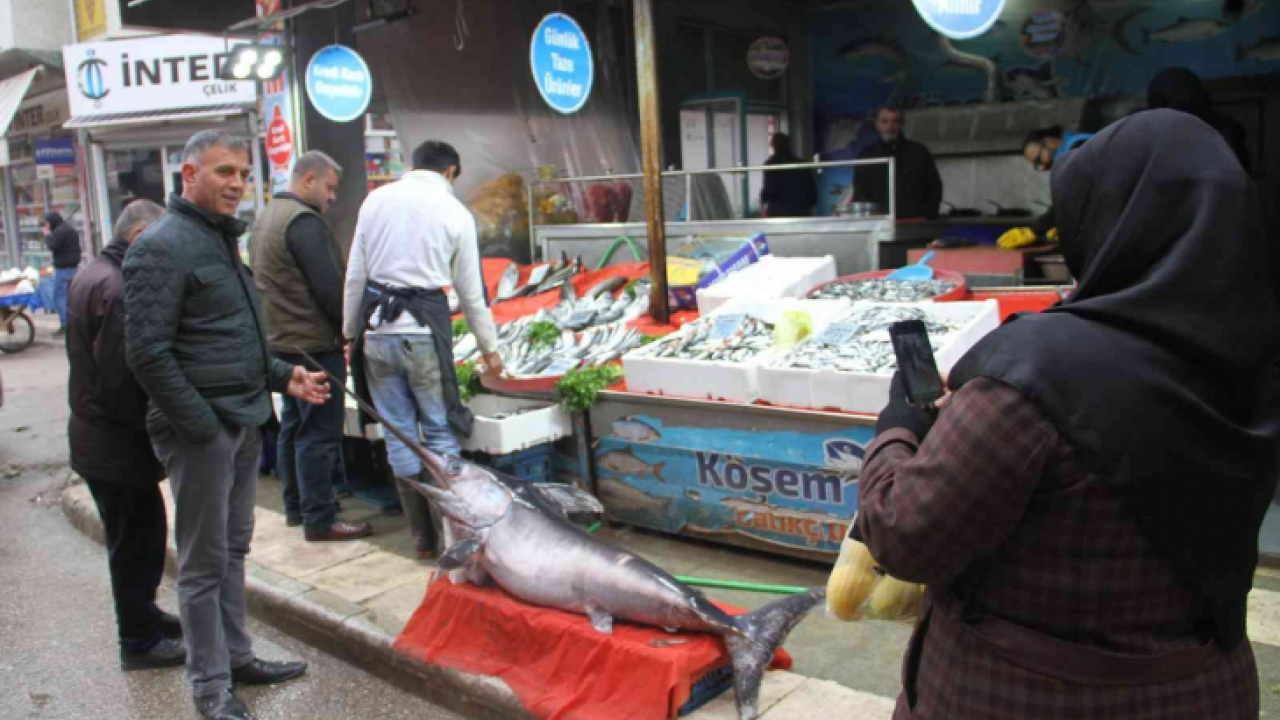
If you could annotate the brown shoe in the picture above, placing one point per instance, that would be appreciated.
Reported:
(339, 531)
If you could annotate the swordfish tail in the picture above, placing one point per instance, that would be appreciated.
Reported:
(762, 631)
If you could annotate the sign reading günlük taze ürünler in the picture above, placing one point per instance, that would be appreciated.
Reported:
(560, 59)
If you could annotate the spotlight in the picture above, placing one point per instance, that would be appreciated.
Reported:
(265, 62)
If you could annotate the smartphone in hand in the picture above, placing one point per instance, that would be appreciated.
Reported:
(916, 365)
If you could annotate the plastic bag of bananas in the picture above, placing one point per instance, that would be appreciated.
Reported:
(857, 587)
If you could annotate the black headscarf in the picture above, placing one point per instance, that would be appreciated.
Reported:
(53, 220)
(1180, 89)
(1157, 370)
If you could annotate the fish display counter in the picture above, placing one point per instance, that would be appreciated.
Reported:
(776, 478)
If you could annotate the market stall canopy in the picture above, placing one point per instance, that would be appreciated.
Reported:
(15, 60)
(12, 93)
(156, 116)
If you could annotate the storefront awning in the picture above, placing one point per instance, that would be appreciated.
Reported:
(12, 93)
(154, 116)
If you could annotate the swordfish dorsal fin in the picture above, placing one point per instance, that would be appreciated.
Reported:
(568, 498)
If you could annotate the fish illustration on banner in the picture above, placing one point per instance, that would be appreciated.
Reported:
(1031, 83)
(780, 489)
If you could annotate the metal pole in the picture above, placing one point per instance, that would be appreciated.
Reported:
(651, 142)
(893, 190)
(533, 236)
(261, 178)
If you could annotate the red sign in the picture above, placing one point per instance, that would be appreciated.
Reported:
(279, 140)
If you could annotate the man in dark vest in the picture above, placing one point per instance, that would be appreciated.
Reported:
(298, 267)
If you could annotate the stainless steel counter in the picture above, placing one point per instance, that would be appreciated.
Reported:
(853, 242)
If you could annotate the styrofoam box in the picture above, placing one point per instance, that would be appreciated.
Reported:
(770, 278)
(548, 423)
(715, 380)
(496, 437)
(866, 392)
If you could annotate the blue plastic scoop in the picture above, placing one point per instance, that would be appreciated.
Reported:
(920, 272)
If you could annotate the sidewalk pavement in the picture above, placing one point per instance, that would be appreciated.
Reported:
(352, 599)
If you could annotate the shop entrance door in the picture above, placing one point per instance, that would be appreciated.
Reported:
(132, 175)
(728, 133)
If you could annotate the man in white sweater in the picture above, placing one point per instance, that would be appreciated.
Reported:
(413, 239)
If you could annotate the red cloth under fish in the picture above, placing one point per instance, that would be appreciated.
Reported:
(555, 662)
(508, 310)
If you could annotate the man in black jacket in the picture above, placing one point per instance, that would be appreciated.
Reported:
(110, 449)
(64, 243)
(917, 186)
(197, 344)
(298, 268)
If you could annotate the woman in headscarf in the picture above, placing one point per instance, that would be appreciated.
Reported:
(1086, 507)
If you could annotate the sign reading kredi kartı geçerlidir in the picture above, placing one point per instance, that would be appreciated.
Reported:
(960, 19)
(560, 58)
(339, 85)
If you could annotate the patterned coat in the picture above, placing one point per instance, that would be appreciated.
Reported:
(994, 508)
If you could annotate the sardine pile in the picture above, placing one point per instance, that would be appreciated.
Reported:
(602, 309)
(859, 340)
(884, 290)
(695, 342)
(595, 346)
(593, 331)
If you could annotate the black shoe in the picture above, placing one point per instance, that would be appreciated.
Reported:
(261, 672)
(338, 532)
(164, 654)
(293, 520)
(60, 332)
(223, 706)
(170, 626)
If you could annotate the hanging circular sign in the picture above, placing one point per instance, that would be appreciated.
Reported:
(339, 84)
(560, 58)
(768, 58)
(960, 19)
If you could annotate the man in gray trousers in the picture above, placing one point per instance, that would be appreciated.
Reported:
(196, 343)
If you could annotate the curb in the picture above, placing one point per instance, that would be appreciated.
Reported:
(338, 627)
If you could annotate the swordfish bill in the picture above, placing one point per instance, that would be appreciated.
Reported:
(415, 447)
(518, 534)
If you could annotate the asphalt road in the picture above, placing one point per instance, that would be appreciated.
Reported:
(58, 654)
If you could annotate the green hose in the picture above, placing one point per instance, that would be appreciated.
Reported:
(613, 247)
(730, 584)
(750, 587)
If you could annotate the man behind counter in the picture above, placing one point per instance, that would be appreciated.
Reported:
(917, 185)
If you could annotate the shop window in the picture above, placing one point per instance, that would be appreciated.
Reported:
(384, 159)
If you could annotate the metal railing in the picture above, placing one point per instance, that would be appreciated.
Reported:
(688, 175)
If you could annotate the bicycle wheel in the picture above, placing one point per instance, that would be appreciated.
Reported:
(18, 334)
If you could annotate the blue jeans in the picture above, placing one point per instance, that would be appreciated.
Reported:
(61, 283)
(309, 448)
(404, 380)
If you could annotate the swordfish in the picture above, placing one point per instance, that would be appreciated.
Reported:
(519, 535)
